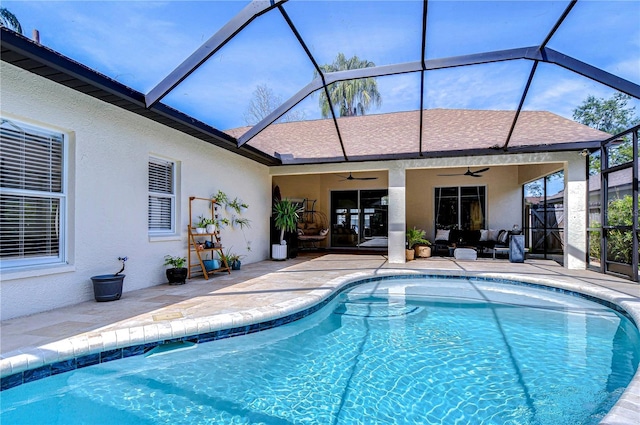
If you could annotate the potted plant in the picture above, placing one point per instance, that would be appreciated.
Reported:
(201, 224)
(233, 260)
(414, 237)
(421, 246)
(108, 287)
(209, 225)
(285, 216)
(222, 205)
(177, 274)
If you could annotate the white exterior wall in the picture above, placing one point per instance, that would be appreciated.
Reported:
(109, 150)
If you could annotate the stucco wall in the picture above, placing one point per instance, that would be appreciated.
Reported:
(108, 167)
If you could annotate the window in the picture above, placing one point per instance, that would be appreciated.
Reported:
(162, 196)
(460, 207)
(32, 195)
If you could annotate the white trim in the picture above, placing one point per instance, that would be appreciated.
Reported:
(155, 233)
(27, 263)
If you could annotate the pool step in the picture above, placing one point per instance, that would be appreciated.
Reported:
(170, 347)
(375, 309)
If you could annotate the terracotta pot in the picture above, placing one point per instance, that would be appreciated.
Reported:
(423, 251)
(410, 254)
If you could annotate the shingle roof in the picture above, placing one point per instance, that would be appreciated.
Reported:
(445, 130)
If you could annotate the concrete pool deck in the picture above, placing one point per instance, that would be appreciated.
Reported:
(265, 291)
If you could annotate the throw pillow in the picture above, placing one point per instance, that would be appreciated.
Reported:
(324, 232)
(300, 232)
(493, 235)
(442, 235)
(484, 235)
(504, 237)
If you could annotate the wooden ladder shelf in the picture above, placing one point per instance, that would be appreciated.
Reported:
(198, 241)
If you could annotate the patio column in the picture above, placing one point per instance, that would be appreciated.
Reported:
(397, 214)
(576, 213)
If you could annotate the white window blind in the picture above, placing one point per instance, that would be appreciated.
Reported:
(161, 196)
(32, 198)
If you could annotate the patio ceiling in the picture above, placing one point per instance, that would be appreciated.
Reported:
(481, 72)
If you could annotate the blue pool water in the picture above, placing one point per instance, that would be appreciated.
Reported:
(438, 351)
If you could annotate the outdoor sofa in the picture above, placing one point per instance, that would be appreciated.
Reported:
(480, 240)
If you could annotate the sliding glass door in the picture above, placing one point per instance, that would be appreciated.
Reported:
(359, 218)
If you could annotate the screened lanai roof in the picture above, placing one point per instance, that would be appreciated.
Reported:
(487, 75)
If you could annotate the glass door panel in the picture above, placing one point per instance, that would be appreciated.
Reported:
(544, 216)
(619, 225)
(594, 226)
(446, 207)
(345, 218)
(472, 207)
(374, 206)
(554, 213)
(359, 218)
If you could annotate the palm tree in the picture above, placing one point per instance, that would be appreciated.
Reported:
(9, 20)
(352, 97)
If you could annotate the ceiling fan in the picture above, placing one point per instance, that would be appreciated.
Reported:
(350, 177)
(476, 173)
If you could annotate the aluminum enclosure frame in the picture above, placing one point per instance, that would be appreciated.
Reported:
(257, 8)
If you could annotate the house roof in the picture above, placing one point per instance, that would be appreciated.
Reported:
(446, 132)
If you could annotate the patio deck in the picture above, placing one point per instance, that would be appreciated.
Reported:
(264, 291)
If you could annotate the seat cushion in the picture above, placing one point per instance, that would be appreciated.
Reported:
(442, 235)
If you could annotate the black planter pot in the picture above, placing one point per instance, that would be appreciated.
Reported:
(107, 287)
(177, 276)
(236, 265)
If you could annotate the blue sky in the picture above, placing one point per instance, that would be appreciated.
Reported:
(140, 42)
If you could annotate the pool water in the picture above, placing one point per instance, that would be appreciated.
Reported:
(424, 351)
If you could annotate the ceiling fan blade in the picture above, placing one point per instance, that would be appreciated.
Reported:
(350, 177)
(468, 173)
(449, 175)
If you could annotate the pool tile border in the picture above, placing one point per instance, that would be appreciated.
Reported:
(343, 284)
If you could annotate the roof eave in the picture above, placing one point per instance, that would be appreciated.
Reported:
(24, 53)
(590, 145)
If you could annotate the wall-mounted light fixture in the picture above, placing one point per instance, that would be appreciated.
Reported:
(584, 152)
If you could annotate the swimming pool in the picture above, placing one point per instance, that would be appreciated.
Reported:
(387, 351)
